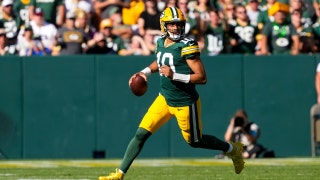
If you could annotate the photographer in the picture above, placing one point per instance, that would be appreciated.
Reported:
(240, 129)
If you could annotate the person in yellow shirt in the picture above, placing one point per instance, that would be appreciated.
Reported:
(131, 15)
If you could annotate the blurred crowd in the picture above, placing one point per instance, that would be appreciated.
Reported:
(131, 27)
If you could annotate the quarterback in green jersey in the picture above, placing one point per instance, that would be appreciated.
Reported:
(180, 68)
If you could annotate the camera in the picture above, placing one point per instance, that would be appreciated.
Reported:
(238, 121)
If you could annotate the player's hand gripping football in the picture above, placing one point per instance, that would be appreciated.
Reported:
(134, 76)
(138, 84)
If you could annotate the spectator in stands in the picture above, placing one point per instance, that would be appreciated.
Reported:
(253, 11)
(106, 8)
(219, 4)
(316, 6)
(241, 130)
(112, 41)
(212, 40)
(305, 32)
(71, 39)
(79, 5)
(10, 21)
(83, 6)
(100, 46)
(299, 5)
(5, 48)
(183, 6)
(82, 22)
(21, 9)
(227, 13)
(161, 4)
(171, 3)
(54, 11)
(149, 18)
(150, 39)
(135, 46)
(119, 29)
(43, 30)
(191, 28)
(28, 46)
(131, 14)
(316, 32)
(242, 33)
(279, 37)
(264, 17)
(200, 12)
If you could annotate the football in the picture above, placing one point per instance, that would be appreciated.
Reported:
(138, 85)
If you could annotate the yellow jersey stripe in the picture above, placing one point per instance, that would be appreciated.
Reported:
(190, 50)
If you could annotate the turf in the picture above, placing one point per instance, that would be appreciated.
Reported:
(163, 169)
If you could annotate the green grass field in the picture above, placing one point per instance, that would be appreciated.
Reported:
(161, 169)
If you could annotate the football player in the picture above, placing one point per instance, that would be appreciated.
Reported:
(180, 68)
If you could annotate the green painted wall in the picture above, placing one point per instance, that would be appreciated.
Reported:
(69, 107)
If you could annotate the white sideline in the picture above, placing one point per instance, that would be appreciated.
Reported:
(52, 179)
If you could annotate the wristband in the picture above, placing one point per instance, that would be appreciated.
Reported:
(185, 78)
(146, 71)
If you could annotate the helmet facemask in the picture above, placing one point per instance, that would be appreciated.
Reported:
(173, 15)
(176, 34)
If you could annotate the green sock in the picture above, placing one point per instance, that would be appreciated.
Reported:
(134, 148)
(211, 142)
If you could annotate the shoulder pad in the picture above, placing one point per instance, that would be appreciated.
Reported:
(190, 48)
(189, 41)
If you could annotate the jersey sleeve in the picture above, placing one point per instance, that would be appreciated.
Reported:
(267, 30)
(293, 30)
(191, 50)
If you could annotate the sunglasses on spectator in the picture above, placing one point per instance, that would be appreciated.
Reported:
(295, 13)
(230, 9)
(242, 12)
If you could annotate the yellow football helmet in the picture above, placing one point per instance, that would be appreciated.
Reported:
(172, 15)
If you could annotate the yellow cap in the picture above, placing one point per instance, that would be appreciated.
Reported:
(276, 7)
(105, 23)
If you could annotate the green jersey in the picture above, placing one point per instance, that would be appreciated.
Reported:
(213, 40)
(177, 93)
(49, 8)
(279, 37)
(9, 50)
(316, 29)
(245, 35)
(263, 19)
(12, 27)
(21, 7)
